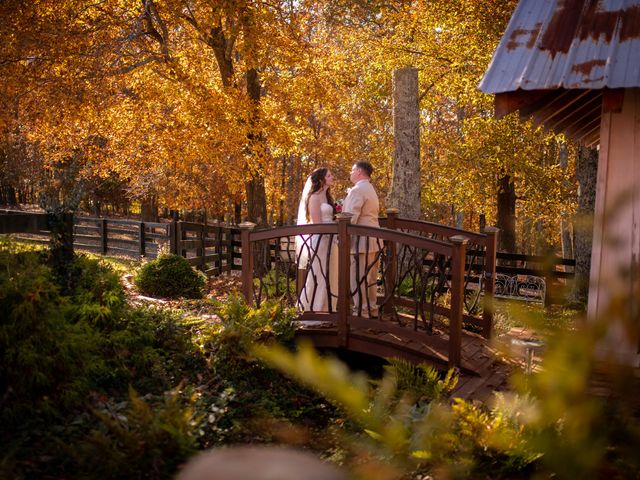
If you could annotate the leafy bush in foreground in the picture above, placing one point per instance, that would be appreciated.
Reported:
(170, 276)
(46, 352)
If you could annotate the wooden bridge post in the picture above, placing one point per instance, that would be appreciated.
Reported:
(392, 265)
(247, 261)
(458, 257)
(489, 279)
(344, 278)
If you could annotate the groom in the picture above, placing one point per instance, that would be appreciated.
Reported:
(362, 203)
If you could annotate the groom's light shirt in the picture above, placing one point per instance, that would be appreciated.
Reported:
(362, 202)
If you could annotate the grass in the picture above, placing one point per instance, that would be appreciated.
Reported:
(533, 315)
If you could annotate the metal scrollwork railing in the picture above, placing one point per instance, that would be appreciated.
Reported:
(348, 275)
(520, 287)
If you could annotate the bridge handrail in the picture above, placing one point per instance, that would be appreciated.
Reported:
(411, 239)
(488, 240)
(294, 230)
(438, 229)
(456, 249)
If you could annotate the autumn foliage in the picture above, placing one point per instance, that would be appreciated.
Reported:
(193, 104)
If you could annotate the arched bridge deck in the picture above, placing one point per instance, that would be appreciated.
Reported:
(429, 280)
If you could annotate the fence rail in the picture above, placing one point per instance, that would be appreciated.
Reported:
(213, 249)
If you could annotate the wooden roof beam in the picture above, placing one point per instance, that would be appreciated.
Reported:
(586, 110)
(560, 105)
(509, 102)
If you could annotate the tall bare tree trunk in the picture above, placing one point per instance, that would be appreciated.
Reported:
(507, 214)
(256, 195)
(565, 224)
(586, 171)
(405, 183)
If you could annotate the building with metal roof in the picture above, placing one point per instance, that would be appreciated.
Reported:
(574, 66)
(560, 60)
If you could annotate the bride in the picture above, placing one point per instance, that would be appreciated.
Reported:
(318, 252)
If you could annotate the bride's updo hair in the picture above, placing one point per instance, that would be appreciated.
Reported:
(317, 184)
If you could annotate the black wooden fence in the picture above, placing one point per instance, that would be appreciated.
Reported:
(216, 248)
(210, 248)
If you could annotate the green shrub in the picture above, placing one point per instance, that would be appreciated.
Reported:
(243, 325)
(97, 292)
(142, 438)
(422, 383)
(170, 276)
(44, 355)
(458, 441)
(152, 349)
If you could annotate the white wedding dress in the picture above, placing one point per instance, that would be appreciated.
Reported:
(321, 282)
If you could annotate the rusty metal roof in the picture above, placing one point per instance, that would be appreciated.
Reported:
(563, 62)
(584, 44)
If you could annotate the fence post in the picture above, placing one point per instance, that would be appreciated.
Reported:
(201, 250)
(392, 265)
(141, 240)
(230, 236)
(247, 261)
(181, 234)
(489, 281)
(218, 262)
(458, 257)
(344, 278)
(103, 235)
(173, 237)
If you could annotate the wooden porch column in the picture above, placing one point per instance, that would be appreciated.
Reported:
(489, 281)
(247, 261)
(392, 265)
(458, 257)
(615, 266)
(344, 278)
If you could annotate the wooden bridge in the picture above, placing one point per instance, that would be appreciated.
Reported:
(432, 281)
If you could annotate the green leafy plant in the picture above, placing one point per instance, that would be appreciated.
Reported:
(422, 382)
(148, 438)
(404, 434)
(43, 353)
(244, 325)
(170, 276)
(97, 291)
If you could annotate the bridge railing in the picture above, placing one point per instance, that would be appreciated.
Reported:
(430, 301)
(480, 264)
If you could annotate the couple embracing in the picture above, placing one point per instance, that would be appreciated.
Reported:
(318, 253)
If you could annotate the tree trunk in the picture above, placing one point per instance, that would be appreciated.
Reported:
(405, 179)
(255, 190)
(565, 224)
(237, 213)
(149, 209)
(586, 172)
(507, 214)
